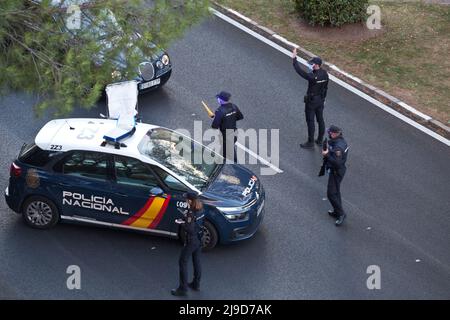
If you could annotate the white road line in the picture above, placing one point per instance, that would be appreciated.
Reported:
(336, 80)
(261, 159)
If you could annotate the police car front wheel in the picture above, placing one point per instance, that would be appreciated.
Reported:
(39, 212)
(210, 236)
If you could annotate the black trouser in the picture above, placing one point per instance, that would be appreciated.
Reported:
(315, 109)
(189, 249)
(230, 156)
(334, 192)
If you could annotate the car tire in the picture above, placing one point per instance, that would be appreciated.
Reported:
(210, 236)
(40, 213)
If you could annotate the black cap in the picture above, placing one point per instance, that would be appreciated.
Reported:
(225, 96)
(334, 129)
(190, 195)
(316, 60)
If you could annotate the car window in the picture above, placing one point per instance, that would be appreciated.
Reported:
(35, 156)
(86, 164)
(172, 182)
(133, 172)
(179, 154)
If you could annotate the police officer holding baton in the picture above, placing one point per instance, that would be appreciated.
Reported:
(191, 225)
(315, 97)
(225, 119)
(335, 157)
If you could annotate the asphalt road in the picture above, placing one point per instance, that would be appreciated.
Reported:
(396, 194)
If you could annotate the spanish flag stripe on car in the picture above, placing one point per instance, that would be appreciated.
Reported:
(150, 215)
(158, 218)
(132, 219)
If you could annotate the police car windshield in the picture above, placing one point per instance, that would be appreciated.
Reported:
(179, 154)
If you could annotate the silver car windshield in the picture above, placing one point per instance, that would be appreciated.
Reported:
(177, 153)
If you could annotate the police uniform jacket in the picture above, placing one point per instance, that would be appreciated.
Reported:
(226, 117)
(337, 155)
(317, 83)
(192, 227)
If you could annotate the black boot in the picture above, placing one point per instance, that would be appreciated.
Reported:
(319, 142)
(340, 220)
(178, 292)
(332, 214)
(308, 144)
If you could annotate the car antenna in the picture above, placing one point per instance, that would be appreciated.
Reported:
(70, 127)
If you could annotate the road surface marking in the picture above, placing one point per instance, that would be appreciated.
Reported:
(257, 156)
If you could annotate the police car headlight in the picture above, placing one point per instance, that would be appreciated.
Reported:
(165, 59)
(234, 213)
(237, 217)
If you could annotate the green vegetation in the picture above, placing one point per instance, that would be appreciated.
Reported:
(45, 53)
(332, 12)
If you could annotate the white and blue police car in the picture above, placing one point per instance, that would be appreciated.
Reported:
(129, 175)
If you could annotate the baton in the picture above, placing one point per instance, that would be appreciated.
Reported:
(208, 110)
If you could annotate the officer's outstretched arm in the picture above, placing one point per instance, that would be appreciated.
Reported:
(305, 75)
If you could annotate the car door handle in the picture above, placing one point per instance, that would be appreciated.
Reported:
(159, 196)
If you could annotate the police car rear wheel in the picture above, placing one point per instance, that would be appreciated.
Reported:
(40, 213)
(210, 236)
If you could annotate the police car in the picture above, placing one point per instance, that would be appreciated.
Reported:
(107, 172)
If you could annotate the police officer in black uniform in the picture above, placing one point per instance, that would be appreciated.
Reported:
(335, 156)
(191, 224)
(225, 119)
(315, 97)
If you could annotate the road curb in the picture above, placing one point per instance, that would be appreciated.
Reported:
(374, 92)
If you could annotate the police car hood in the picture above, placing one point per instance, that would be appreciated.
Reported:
(235, 185)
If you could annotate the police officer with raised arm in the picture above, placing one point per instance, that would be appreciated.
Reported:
(225, 119)
(335, 156)
(315, 97)
(192, 226)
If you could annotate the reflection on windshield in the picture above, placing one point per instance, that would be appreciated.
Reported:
(176, 152)
(106, 25)
(104, 28)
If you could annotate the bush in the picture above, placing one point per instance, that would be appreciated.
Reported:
(332, 12)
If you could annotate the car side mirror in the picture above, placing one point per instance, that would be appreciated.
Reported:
(156, 191)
